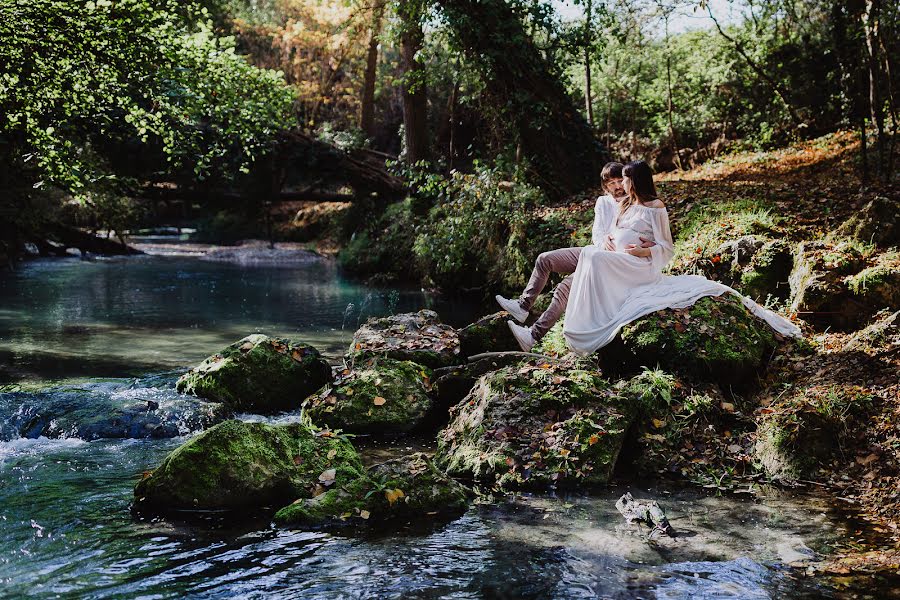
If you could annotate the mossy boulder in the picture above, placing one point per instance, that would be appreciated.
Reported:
(259, 374)
(803, 431)
(716, 339)
(237, 465)
(452, 384)
(536, 425)
(878, 286)
(409, 488)
(768, 272)
(381, 396)
(488, 334)
(418, 337)
(841, 285)
(882, 335)
(877, 222)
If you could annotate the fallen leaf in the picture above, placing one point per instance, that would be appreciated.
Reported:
(364, 514)
(327, 476)
(331, 453)
(657, 424)
(379, 401)
(728, 407)
(593, 439)
(393, 495)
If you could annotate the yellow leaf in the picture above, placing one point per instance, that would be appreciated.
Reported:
(593, 439)
(378, 401)
(331, 453)
(658, 424)
(393, 495)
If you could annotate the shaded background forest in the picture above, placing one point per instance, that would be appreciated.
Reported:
(413, 127)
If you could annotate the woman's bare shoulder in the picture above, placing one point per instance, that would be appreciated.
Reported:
(654, 204)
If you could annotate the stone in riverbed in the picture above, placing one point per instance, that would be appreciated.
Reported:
(536, 425)
(715, 339)
(419, 337)
(410, 487)
(259, 374)
(378, 395)
(237, 465)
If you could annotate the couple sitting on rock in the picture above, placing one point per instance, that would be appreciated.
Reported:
(618, 277)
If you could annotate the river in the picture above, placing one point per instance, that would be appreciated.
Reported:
(94, 331)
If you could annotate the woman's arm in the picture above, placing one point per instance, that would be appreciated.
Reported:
(664, 250)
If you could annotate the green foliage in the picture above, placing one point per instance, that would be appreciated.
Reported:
(97, 93)
(475, 231)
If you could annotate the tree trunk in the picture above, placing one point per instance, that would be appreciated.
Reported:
(876, 105)
(672, 134)
(529, 96)
(588, 103)
(415, 99)
(367, 104)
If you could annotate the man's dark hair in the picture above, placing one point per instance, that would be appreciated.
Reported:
(611, 170)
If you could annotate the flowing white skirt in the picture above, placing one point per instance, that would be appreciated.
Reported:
(611, 289)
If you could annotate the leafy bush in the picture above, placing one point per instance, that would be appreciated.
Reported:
(476, 231)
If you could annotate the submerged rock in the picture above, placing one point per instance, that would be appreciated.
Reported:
(247, 465)
(536, 425)
(419, 337)
(105, 410)
(259, 374)
(715, 339)
(488, 334)
(409, 487)
(375, 396)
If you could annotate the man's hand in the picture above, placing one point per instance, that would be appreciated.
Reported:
(645, 243)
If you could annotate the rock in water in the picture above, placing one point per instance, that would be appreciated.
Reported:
(716, 339)
(645, 511)
(259, 374)
(107, 409)
(375, 396)
(419, 337)
(536, 425)
(409, 487)
(238, 465)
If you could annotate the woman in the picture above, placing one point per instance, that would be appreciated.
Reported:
(611, 289)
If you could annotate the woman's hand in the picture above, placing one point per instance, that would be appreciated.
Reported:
(608, 243)
(635, 250)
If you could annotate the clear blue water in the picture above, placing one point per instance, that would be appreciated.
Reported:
(64, 503)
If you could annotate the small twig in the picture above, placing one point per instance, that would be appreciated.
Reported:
(510, 353)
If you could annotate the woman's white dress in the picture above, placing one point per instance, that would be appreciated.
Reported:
(612, 289)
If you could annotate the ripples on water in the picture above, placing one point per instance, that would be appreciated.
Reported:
(64, 503)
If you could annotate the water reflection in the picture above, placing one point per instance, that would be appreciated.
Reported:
(126, 316)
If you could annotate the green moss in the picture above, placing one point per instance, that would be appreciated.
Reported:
(652, 389)
(768, 272)
(717, 337)
(488, 334)
(554, 343)
(258, 374)
(710, 223)
(378, 396)
(237, 464)
(536, 426)
(406, 487)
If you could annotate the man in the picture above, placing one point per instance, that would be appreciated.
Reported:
(564, 260)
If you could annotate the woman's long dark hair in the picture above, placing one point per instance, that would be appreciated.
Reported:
(642, 188)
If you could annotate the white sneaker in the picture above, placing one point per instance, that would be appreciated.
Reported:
(512, 307)
(523, 336)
